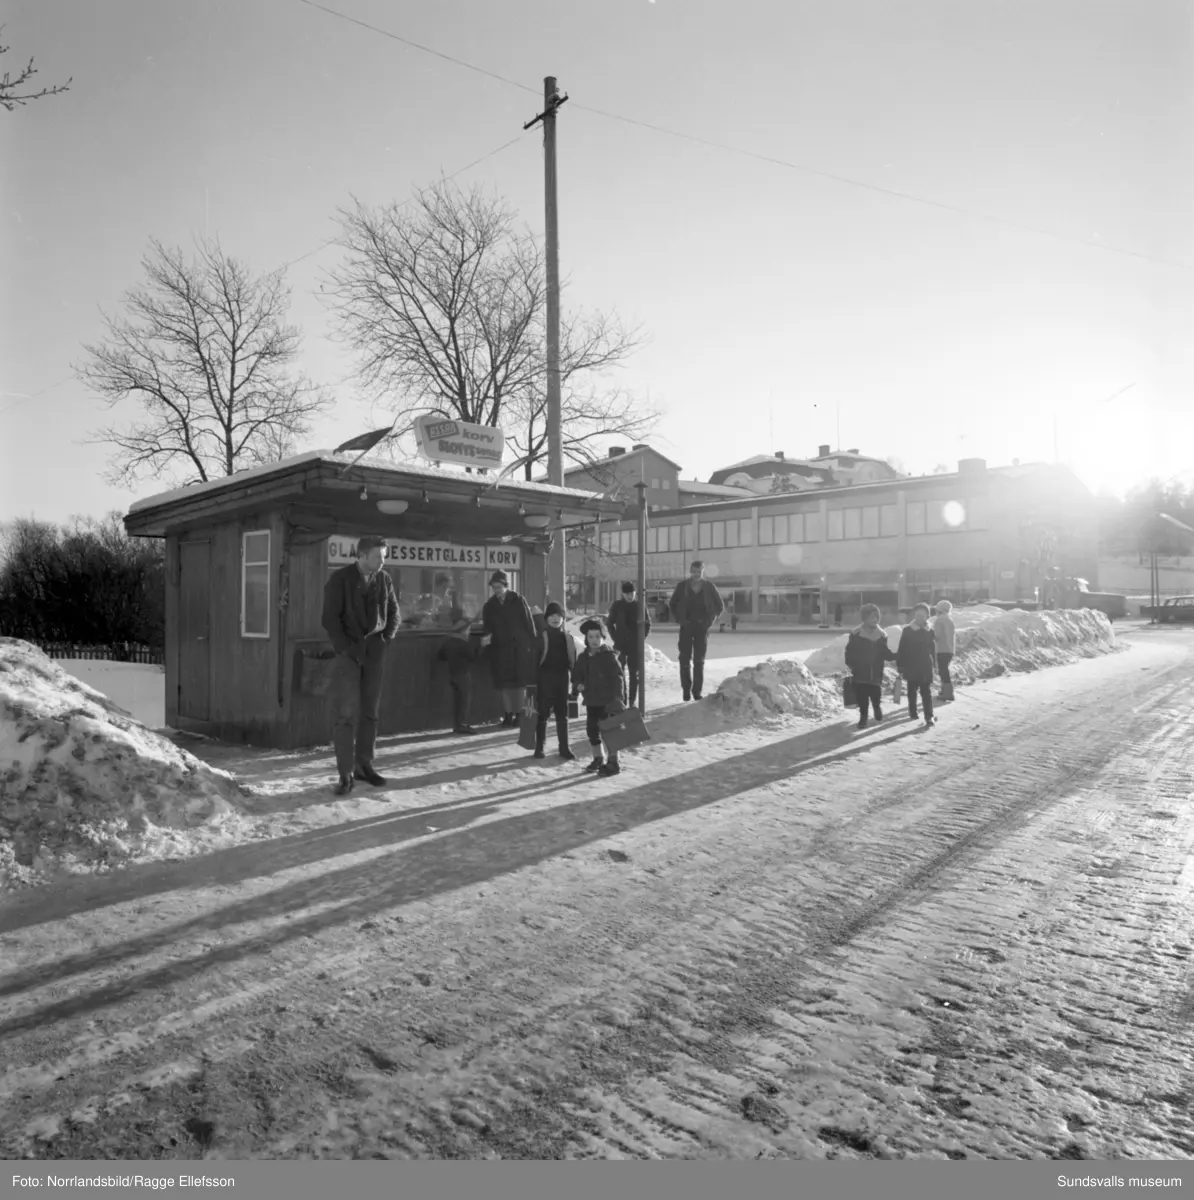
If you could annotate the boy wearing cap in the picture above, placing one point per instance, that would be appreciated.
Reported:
(557, 657)
(696, 604)
(599, 675)
(360, 616)
(623, 632)
(512, 641)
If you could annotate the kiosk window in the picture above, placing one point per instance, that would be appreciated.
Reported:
(254, 584)
(440, 597)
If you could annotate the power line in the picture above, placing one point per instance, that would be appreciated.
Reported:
(879, 189)
(418, 46)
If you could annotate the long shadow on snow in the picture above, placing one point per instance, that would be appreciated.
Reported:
(419, 872)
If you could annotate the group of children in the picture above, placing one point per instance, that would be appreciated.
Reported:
(563, 673)
(921, 653)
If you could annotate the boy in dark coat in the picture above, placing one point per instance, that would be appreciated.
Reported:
(513, 644)
(557, 657)
(623, 632)
(915, 661)
(866, 653)
(599, 675)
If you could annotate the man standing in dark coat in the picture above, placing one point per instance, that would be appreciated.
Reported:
(459, 652)
(360, 615)
(513, 645)
(623, 632)
(696, 604)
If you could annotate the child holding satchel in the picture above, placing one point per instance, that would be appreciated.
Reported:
(598, 674)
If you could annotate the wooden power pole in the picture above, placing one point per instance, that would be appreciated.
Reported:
(556, 587)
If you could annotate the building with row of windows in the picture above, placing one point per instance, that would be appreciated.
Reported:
(801, 554)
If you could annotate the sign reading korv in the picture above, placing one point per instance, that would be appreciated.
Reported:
(403, 553)
(442, 439)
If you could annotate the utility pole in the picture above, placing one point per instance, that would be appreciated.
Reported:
(641, 631)
(555, 435)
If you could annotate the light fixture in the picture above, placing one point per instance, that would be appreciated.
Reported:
(364, 493)
(425, 500)
(559, 514)
(393, 508)
(477, 500)
(538, 520)
(522, 511)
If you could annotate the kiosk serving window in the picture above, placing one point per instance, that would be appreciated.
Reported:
(439, 584)
(254, 584)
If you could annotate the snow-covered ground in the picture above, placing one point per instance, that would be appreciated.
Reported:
(86, 787)
(138, 688)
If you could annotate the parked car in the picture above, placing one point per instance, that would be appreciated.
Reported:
(1176, 608)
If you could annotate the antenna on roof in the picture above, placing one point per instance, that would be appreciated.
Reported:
(839, 426)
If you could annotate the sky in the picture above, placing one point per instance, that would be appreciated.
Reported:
(977, 232)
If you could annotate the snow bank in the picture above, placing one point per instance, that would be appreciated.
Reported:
(991, 642)
(84, 786)
(775, 687)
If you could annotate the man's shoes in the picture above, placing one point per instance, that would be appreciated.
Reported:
(696, 695)
(879, 715)
(538, 754)
(344, 786)
(366, 772)
(609, 769)
(567, 754)
(687, 695)
(596, 765)
(464, 730)
(930, 722)
(862, 724)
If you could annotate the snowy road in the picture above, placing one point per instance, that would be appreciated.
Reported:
(802, 941)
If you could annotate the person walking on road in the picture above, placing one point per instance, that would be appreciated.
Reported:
(360, 616)
(945, 636)
(916, 659)
(557, 657)
(696, 605)
(598, 674)
(623, 632)
(512, 643)
(866, 654)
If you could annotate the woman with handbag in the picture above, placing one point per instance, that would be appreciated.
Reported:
(512, 643)
(598, 674)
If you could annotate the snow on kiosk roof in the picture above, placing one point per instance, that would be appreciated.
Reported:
(320, 470)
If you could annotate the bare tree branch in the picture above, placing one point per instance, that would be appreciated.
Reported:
(205, 350)
(446, 308)
(10, 95)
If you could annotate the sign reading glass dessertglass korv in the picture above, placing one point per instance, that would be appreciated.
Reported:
(442, 439)
(403, 553)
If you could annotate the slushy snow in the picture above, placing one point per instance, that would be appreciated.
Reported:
(83, 785)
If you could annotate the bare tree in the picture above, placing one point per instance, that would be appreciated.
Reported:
(445, 302)
(207, 354)
(10, 89)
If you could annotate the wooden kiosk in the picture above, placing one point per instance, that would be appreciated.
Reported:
(247, 557)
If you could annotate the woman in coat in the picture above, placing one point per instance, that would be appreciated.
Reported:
(512, 643)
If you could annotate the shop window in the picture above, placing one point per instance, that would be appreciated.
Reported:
(812, 527)
(781, 530)
(652, 540)
(836, 525)
(888, 520)
(689, 535)
(706, 536)
(853, 523)
(633, 541)
(677, 537)
(746, 530)
(916, 517)
(795, 527)
(766, 531)
(731, 535)
(254, 584)
(719, 535)
(935, 517)
(440, 597)
(870, 521)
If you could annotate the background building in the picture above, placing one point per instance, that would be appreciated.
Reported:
(799, 556)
